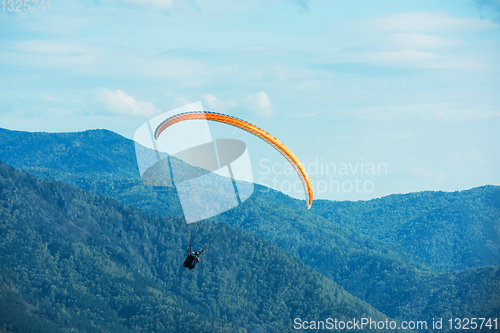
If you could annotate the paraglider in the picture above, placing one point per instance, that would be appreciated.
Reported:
(192, 259)
(241, 124)
(209, 175)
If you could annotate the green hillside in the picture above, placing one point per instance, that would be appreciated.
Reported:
(410, 256)
(96, 153)
(86, 263)
(449, 231)
(384, 275)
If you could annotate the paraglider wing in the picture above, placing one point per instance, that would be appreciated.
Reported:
(241, 124)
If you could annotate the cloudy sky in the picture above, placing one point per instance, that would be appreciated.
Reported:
(375, 97)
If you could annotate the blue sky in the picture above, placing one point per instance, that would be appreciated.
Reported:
(412, 87)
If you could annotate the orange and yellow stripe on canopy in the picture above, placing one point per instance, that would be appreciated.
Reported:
(241, 124)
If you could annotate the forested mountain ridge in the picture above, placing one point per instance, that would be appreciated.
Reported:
(420, 223)
(96, 153)
(448, 230)
(385, 276)
(86, 263)
(390, 252)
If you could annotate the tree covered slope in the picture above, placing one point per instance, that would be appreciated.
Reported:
(449, 231)
(84, 262)
(415, 255)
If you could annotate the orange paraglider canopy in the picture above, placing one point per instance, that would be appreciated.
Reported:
(241, 124)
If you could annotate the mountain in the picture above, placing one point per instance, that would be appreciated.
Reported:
(419, 255)
(449, 231)
(446, 231)
(94, 153)
(84, 262)
(380, 273)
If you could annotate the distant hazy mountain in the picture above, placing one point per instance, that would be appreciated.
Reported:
(97, 153)
(380, 273)
(449, 231)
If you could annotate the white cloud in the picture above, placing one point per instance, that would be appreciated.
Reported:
(340, 138)
(185, 72)
(49, 54)
(430, 111)
(441, 176)
(260, 103)
(406, 56)
(412, 40)
(428, 21)
(421, 172)
(47, 46)
(215, 104)
(156, 4)
(59, 111)
(466, 159)
(47, 97)
(421, 59)
(119, 102)
(396, 136)
(181, 101)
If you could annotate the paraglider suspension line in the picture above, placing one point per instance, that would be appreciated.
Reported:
(191, 236)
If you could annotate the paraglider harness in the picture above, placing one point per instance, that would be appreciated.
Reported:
(192, 259)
